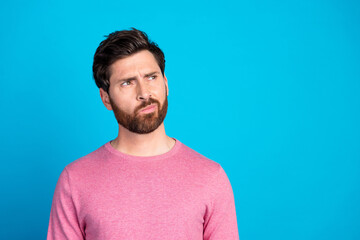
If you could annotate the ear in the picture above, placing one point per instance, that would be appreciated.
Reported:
(105, 99)
(166, 85)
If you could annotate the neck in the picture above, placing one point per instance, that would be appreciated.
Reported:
(151, 144)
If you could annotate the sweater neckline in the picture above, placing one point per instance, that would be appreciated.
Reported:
(125, 156)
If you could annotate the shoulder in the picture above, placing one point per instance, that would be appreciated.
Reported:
(199, 163)
(88, 162)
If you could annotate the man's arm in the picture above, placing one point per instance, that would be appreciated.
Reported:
(63, 222)
(220, 217)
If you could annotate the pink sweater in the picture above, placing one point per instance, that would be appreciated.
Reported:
(174, 196)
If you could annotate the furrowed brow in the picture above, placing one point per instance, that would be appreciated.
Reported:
(152, 73)
(126, 79)
(134, 78)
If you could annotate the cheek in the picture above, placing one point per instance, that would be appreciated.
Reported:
(123, 104)
(160, 91)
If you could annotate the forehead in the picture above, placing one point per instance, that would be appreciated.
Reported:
(141, 63)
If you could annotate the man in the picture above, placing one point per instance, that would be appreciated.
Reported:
(143, 184)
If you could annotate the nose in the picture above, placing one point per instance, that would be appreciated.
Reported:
(143, 93)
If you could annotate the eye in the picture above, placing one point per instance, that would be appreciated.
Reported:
(153, 77)
(126, 83)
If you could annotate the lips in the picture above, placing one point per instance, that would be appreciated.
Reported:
(149, 108)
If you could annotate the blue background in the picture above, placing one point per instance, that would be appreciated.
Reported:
(268, 89)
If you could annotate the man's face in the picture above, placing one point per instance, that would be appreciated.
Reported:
(137, 93)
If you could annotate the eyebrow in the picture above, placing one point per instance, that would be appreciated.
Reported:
(152, 73)
(134, 78)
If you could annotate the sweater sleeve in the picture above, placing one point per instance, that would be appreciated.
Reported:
(220, 221)
(63, 222)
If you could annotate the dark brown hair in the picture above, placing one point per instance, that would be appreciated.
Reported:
(118, 45)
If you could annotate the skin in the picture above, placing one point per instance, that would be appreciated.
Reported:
(130, 86)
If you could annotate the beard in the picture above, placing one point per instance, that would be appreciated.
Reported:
(141, 123)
